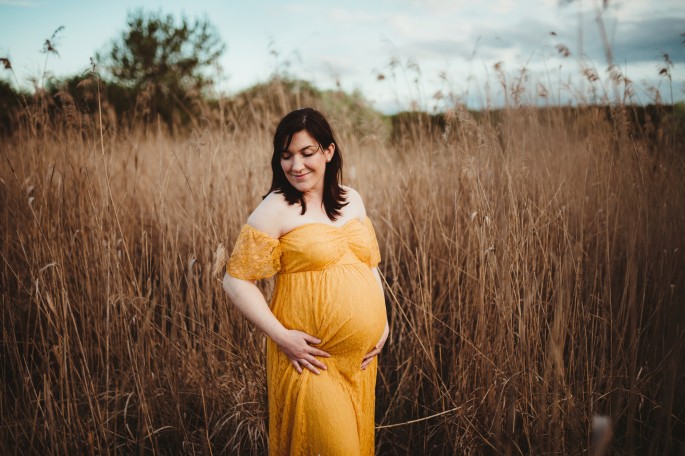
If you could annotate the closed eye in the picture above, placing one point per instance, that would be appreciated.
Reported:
(305, 151)
(310, 150)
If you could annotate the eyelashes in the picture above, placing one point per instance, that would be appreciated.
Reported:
(288, 156)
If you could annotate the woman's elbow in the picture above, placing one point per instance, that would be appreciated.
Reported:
(228, 285)
(232, 285)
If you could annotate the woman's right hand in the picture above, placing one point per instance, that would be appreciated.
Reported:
(295, 345)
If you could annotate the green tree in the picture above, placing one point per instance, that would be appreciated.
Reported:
(167, 64)
(9, 107)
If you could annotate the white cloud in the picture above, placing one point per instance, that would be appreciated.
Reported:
(430, 49)
(427, 27)
(439, 6)
(338, 66)
(345, 15)
(296, 8)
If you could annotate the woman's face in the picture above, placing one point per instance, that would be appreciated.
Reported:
(304, 163)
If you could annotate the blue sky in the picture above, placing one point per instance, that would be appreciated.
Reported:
(430, 52)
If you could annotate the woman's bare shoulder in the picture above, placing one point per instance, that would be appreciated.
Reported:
(355, 203)
(265, 217)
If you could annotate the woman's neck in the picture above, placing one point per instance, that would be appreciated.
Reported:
(314, 198)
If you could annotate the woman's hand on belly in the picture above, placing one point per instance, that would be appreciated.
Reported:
(377, 348)
(295, 345)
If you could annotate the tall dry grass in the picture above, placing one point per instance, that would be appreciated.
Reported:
(533, 260)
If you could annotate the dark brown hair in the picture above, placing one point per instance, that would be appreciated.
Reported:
(317, 126)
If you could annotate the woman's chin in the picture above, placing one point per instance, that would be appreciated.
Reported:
(300, 186)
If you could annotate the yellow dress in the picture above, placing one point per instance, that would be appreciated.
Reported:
(325, 288)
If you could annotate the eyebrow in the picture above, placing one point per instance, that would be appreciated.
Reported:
(301, 149)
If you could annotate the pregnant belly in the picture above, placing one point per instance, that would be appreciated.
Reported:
(343, 306)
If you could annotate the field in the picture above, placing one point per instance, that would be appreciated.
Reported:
(533, 261)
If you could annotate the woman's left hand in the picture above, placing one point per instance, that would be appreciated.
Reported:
(377, 348)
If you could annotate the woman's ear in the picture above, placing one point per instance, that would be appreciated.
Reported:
(329, 151)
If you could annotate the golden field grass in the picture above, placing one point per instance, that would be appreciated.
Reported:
(534, 274)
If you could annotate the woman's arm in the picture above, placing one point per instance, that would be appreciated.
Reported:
(295, 344)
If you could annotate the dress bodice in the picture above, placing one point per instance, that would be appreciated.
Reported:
(309, 247)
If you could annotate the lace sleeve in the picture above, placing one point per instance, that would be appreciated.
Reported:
(375, 253)
(256, 255)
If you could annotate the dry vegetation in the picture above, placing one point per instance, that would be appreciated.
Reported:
(533, 259)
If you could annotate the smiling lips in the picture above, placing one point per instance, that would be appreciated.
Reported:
(299, 176)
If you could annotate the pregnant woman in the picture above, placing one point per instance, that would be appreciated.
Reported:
(327, 321)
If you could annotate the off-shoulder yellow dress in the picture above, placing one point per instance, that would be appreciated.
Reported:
(324, 287)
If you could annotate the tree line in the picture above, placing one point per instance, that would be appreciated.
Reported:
(164, 71)
(159, 68)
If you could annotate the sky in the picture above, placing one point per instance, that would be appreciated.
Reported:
(400, 54)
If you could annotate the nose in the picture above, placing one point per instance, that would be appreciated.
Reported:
(298, 163)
